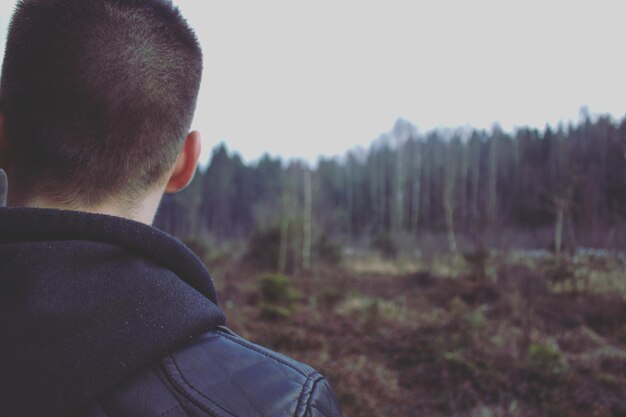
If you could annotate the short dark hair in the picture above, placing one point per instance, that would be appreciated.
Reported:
(97, 96)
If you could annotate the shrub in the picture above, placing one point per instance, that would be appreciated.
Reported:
(277, 296)
(277, 288)
(274, 312)
(263, 248)
(470, 321)
(546, 357)
(558, 270)
(328, 297)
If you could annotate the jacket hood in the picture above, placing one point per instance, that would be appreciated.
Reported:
(86, 300)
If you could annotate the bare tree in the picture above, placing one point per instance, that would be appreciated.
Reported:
(308, 221)
(449, 185)
(492, 207)
(416, 185)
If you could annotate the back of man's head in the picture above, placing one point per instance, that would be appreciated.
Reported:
(97, 97)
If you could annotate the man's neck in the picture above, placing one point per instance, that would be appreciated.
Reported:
(142, 211)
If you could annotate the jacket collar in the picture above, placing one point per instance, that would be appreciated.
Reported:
(85, 301)
(35, 224)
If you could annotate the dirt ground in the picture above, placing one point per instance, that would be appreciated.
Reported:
(511, 336)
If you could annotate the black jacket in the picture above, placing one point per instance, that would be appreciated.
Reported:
(102, 316)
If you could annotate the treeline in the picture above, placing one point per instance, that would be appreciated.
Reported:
(557, 188)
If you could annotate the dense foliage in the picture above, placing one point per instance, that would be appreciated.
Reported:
(556, 188)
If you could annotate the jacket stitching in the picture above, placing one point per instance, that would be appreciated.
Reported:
(310, 384)
(193, 395)
(198, 401)
(304, 387)
(308, 401)
(166, 380)
(254, 348)
(311, 380)
(309, 406)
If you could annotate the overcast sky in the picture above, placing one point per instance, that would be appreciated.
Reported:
(302, 79)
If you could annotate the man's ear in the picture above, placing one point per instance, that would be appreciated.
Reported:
(186, 163)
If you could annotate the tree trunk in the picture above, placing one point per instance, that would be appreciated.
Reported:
(417, 185)
(558, 229)
(475, 191)
(493, 178)
(399, 183)
(308, 221)
(284, 234)
(426, 185)
(448, 201)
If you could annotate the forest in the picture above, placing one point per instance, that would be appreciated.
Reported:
(457, 272)
(451, 190)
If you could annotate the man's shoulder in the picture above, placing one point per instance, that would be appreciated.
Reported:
(220, 374)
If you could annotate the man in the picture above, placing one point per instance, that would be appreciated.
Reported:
(101, 314)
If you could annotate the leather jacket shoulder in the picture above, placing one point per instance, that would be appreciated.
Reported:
(221, 375)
